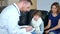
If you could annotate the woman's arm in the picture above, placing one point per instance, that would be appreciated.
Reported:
(56, 27)
(49, 24)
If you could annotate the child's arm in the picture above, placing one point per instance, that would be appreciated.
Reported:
(42, 28)
(32, 22)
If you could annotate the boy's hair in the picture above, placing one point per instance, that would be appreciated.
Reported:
(27, 1)
(36, 12)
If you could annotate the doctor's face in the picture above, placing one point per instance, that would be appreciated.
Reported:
(26, 6)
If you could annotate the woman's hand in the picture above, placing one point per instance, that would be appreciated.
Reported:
(47, 31)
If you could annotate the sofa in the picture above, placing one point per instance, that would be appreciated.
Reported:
(1, 8)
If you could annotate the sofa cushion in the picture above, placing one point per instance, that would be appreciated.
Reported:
(1, 8)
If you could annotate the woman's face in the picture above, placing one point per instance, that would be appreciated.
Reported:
(36, 17)
(54, 9)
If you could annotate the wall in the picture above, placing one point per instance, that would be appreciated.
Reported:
(7, 2)
(45, 4)
(37, 4)
(34, 6)
(12, 1)
(3, 2)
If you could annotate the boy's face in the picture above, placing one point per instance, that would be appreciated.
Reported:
(36, 17)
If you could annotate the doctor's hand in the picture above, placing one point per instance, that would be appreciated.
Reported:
(28, 28)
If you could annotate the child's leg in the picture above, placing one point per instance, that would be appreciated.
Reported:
(27, 33)
(33, 32)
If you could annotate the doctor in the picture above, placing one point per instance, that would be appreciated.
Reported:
(9, 18)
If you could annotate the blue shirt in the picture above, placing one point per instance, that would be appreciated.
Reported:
(9, 18)
(54, 20)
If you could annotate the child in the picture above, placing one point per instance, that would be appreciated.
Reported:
(37, 22)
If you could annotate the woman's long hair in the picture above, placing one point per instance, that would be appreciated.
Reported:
(57, 6)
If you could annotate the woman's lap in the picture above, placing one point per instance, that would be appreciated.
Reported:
(54, 32)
